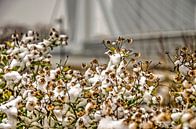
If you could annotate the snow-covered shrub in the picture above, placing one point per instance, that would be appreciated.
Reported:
(122, 94)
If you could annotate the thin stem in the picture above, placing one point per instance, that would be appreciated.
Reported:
(167, 53)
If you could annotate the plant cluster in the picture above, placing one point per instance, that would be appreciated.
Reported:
(122, 94)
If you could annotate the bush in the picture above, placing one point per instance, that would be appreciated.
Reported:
(123, 94)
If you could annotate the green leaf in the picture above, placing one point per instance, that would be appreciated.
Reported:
(7, 94)
(9, 44)
(2, 84)
(131, 102)
(66, 68)
(15, 68)
(2, 116)
(112, 49)
(154, 92)
(1, 75)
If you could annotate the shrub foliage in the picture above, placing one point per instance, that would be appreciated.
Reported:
(124, 93)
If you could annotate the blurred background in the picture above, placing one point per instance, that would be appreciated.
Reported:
(156, 26)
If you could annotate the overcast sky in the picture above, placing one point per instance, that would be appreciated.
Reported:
(28, 11)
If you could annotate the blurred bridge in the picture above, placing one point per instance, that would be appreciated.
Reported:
(155, 25)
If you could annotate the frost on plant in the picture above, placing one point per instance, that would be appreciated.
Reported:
(122, 94)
